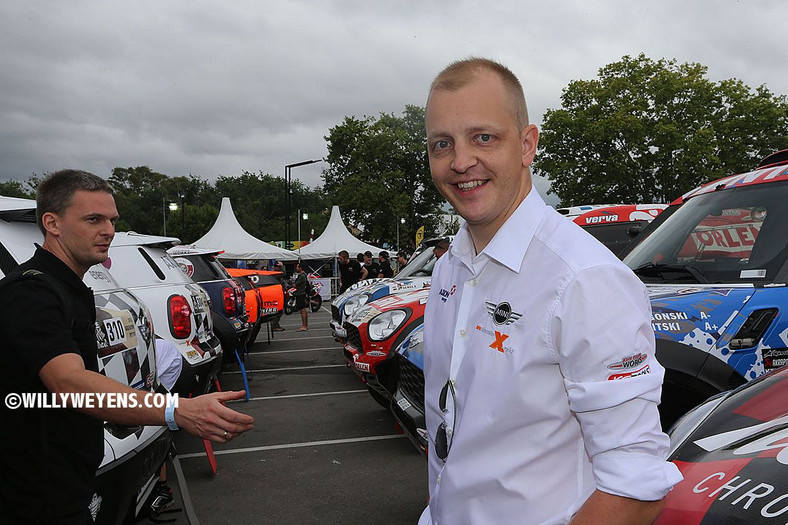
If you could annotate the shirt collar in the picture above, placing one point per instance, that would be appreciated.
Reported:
(54, 266)
(511, 241)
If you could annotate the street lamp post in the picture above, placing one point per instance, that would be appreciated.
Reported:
(399, 220)
(304, 216)
(288, 192)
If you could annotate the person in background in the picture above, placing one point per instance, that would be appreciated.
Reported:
(300, 297)
(349, 271)
(541, 384)
(279, 267)
(364, 270)
(385, 266)
(372, 266)
(402, 260)
(49, 457)
(439, 249)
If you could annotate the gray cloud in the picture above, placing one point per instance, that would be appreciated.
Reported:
(214, 89)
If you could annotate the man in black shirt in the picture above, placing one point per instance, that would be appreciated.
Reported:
(372, 267)
(385, 265)
(49, 456)
(300, 297)
(349, 271)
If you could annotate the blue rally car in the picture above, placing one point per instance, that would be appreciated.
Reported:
(715, 266)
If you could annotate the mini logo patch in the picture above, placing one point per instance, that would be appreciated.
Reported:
(630, 361)
(625, 375)
(502, 313)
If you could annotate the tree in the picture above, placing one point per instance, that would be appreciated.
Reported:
(14, 188)
(378, 173)
(648, 131)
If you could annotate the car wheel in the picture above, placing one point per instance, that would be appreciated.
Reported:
(315, 303)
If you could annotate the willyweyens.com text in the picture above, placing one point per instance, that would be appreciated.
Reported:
(90, 400)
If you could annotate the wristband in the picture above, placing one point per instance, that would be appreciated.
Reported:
(169, 417)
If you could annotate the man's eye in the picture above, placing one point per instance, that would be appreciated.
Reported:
(485, 137)
(441, 144)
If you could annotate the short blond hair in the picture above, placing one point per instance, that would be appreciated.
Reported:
(460, 73)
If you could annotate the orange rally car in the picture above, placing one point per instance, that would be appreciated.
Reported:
(264, 294)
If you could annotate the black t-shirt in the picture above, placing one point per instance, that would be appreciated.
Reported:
(385, 269)
(48, 456)
(350, 274)
(373, 269)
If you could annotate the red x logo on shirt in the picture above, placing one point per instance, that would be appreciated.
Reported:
(499, 339)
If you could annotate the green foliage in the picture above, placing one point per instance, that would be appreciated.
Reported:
(15, 188)
(378, 172)
(648, 131)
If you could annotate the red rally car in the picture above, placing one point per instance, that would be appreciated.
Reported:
(375, 329)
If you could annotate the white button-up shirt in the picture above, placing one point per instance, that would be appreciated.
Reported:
(547, 338)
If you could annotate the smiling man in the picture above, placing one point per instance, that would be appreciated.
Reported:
(528, 323)
(49, 457)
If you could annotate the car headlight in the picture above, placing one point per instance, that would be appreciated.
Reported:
(354, 303)
(382, 326)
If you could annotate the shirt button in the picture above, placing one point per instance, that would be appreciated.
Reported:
(449, 432)
(462, 332)
(438, 479)
(474, 282)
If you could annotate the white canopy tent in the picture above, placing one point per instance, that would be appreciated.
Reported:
(228, 235)
(334, 239)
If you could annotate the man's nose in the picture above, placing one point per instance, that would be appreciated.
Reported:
(464, 158)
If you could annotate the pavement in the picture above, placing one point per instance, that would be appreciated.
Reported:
(322, 450)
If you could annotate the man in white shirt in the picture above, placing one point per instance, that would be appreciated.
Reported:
(541, 383)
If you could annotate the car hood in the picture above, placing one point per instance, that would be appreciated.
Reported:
(729, 446)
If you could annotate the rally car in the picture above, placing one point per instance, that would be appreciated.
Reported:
(227, 297)
(415, 275)
(375, 329)
(264, 296)
(180, 307)
(733, 453)
(617, 225)
(716, 266)
(405, 378)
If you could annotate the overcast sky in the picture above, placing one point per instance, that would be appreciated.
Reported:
(216, 88)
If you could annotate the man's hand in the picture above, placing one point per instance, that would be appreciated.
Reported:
(207, 417)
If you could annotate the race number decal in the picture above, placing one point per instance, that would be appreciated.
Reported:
(116, 333)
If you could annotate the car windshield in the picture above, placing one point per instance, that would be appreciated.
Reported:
(421, 266)
(729, 236)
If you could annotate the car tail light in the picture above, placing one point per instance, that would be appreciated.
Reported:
(228, 300)
(180, 317)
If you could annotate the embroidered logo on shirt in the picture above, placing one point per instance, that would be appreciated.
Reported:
(500, 338)
(502, 313)
(630, 361)
(639, 372)
(445, 294)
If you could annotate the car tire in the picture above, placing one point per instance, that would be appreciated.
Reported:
(315, 303)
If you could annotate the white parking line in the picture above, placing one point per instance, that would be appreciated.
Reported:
(293, 396)
(285, 369)
(297, 339)
(293, 445)
(270, 352)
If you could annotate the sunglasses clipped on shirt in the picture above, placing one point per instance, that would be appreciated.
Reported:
(443, 437)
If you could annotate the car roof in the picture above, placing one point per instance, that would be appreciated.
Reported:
(620, 213)
(16, 209)
(181, 250)
(140, 239)
(767, 175)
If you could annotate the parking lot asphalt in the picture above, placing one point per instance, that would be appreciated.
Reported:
(322, 450)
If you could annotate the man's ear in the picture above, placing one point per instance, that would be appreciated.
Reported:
(51, 223)
(529, 139)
